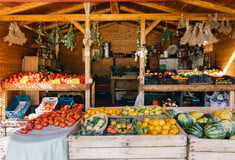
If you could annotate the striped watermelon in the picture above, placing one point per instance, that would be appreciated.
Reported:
(228, 124)
(195, 130)
(185, 120)
(215, 130)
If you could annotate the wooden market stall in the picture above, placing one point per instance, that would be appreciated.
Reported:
(149, 19)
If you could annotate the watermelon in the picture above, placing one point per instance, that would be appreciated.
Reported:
(185, 120)
(195, 130)
(211, 119)
(172, 112)
(215, 130)
(228, 124)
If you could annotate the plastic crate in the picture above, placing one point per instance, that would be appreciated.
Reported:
(46, 100)
(11, 111)
(64, 101)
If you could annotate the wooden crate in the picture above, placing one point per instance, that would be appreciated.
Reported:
(128, 147)
(211, 149)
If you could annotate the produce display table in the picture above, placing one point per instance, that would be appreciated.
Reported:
(113, 84)
(3, 146)
(193, 88)
(42, 87)
(11, 123)
(128, 147)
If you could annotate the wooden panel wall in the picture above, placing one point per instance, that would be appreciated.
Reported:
(224, 50)
(123, 40)
(11, 56)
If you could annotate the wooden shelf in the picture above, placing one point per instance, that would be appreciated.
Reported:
(124, 77)
(196, 88)
(45, 87)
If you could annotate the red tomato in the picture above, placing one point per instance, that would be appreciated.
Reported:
(51, 122)
(29, 125)
(76, 117)
(70, 123)
(62, 124)
(39, 126)
(45, 123)
(56, 123)
(37, 122)
(24, 130)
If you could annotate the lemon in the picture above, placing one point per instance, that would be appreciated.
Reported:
(158, 129)
(144, 124)
(155, 122)
(161, 122)
(151, 128)
(147, 120)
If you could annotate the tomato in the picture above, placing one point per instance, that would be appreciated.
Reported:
(56, 123)
(33, 121)
(45, 123)
(76, 117)
(38, 122)
(62, 119)
(70, 123)
(46, 119)
(24, 130)
(39, 126)
(63, 115)
(51, 122)
(62, 124)
(29, 125)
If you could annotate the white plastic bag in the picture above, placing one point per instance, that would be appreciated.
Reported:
(139, 100)
(216, 99)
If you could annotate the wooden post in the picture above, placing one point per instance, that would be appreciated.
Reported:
(231, 99)
(3, 104)
(142, 59)
(87, 43)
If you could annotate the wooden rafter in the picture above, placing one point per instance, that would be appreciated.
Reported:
(106, 10)
(209, 5)
(151, 26)
(34, 30)
(78, 26)
(23, 7)
(130, 10)
(65, 10)
(114, 7)
(112, 17)
(158, 7)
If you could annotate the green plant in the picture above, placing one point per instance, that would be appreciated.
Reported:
(166, 35)
(55, 36)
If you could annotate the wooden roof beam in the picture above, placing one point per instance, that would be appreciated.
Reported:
(34, 30)
(23, 7)
(151, 26)
(78, 26)
(112, 17)
(158, 7)
(114, 7)
(130, 10)
(209, 5)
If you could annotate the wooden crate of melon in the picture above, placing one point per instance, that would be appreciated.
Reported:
(211, 135)
(149, 137)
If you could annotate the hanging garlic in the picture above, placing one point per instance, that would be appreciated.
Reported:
(228, 28)
(215, 22)
(232, 35)
(201, 38)
(210, 37)
(193, 40)
(181, 23)
(221, 28)
(187, 35)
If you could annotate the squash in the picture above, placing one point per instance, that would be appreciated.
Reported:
(195, 130)
(232, 137)
(196, 115)
(185, 120)
(224, 114)
(228, 124)
(215, 130)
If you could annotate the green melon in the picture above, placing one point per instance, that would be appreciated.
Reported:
(185, 120)
(215, 130)
(195, 130)
(172, 112)
(211, 119)
(228, 126)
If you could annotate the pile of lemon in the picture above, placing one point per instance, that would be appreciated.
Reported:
(143, 110)
(159, 126)
(102, 110)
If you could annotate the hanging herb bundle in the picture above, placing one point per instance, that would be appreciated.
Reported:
(68, 39)
(95, 35)
(166, 35)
